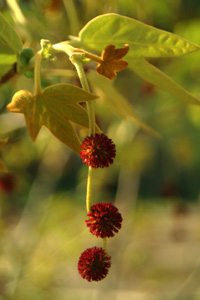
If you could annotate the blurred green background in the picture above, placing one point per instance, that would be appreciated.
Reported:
(154, 182)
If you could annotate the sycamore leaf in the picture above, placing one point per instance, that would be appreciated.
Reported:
(56, 107)
(112, 62)
(2, 166)
(143, 40)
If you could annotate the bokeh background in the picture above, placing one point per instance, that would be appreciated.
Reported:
(154, 182)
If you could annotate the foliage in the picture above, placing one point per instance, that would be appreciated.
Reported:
(129, 109)
(143, 40)
(55, 108)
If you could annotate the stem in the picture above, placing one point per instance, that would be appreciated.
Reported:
(37, 70)
(90, 106)
(105, 244)
(93, 57)
(89, 189)
(64, 47)
(76, 60)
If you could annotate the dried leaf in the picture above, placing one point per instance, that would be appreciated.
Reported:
(57, 108)
(112, 62)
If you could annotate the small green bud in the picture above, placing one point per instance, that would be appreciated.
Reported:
(25, 56)
(29, 73)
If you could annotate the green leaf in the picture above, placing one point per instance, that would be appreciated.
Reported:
(118, 103)
(9, 36)
(4, 69)
(57, 108)
(150, 73)
(144, 40)
(7, 59)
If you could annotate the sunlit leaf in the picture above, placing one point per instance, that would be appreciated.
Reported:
(9, 35)
(150, 73)
(144, 40)
(112, 61)
(7, 59)
(118, 103)
(2, 166)
(57, 108)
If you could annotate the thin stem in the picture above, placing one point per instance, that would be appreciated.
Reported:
(89, 189)
(64, 47)
(105, 244)
(90, 106)
(37, 70)
(93, 57)
(76, 60)
(81, 74)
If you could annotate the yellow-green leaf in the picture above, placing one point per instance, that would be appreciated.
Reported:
(57, 108)
(144, 40)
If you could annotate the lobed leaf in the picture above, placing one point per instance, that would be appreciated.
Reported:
(10, 36)
(150, 73)
(57, 108)
(143, 40)
(111, 61)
